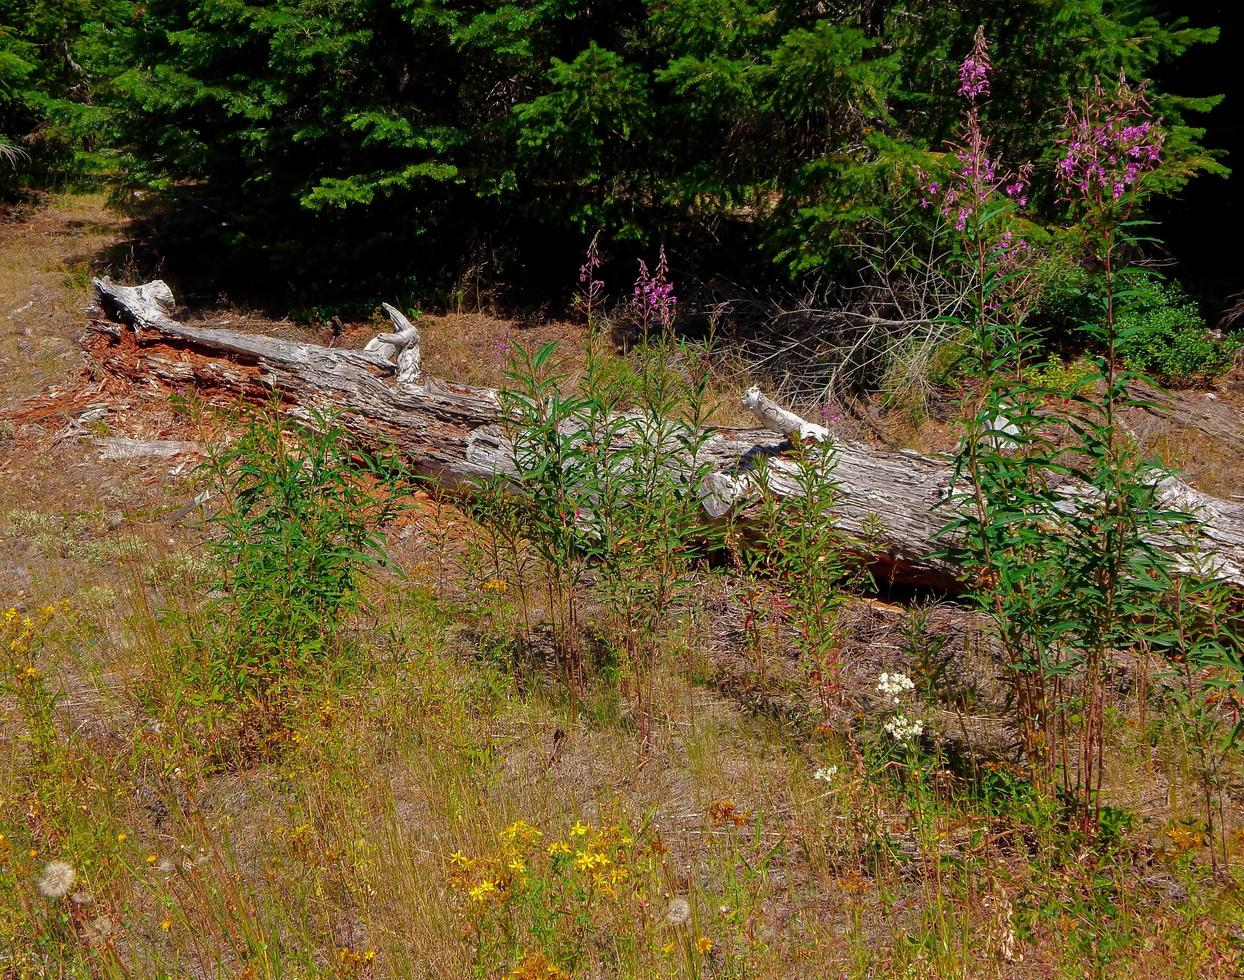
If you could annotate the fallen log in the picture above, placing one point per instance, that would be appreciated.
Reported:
(452, 432)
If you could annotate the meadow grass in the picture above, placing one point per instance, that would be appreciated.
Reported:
(348, 827)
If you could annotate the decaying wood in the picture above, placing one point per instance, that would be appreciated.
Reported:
(451, 431)
(118, 447)
(777, 419)
(1204, 412)
(401, 348)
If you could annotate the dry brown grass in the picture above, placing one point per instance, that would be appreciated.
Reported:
(46, 259)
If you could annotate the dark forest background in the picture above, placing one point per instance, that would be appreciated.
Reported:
(331, 152)
(1200, 225)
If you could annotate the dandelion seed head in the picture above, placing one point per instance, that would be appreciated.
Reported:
(678, 912)
(57, 879)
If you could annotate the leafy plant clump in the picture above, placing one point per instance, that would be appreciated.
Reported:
(1068, 580)
(299, 527)
(608, 474)
(1162, 332)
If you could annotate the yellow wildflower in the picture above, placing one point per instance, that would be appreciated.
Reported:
(600, 882)
(521, 831)
(579, 829)
(459, 860)
(586, 860)
(559, 847)
(122, 838)
(704, 944)
(536, 966)
(483, 891)
(166, 925)
(1184, 839)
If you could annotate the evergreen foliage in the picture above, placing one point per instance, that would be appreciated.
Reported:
(418, 135)
(54, 54)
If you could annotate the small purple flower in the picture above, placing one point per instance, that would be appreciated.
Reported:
(653, 296)
(1108, 146)
(974, 72)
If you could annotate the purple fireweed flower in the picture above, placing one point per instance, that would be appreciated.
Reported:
(653, 296)
(1109, 145)
(974, 72)
(975, 176)
(591, 289)
(967, 190)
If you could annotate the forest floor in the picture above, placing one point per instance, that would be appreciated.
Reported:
(746, 839)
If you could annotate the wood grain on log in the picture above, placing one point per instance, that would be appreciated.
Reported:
(451, 431)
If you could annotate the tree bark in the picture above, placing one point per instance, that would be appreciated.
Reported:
(452, 432)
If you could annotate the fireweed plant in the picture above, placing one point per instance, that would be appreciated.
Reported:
(1201, 640)
(555, 482)
(300, 526)
(653, 303)
(649, 520)
(1057, 513)
(610, 476)
(798, 566)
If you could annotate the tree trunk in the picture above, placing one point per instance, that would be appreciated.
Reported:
(451, 432)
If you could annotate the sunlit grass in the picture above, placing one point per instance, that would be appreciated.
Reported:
(342, 831)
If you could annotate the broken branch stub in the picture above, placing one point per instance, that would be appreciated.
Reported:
(401, 348)
(777, 419)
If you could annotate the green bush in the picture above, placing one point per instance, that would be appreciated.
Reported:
(1053, 373)
(1162, 334)
(300, 524)
(52, 56)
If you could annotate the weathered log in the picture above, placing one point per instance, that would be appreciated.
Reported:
(452, 432)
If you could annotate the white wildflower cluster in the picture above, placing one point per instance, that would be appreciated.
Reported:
(903, 729)
(825, 774)
(894, 686)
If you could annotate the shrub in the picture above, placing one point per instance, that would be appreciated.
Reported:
(1054, 374)
(394, 138)
(1162, 333)
(300, 524)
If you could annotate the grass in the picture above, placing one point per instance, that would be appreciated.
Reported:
(331, 855)
(328, 848)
